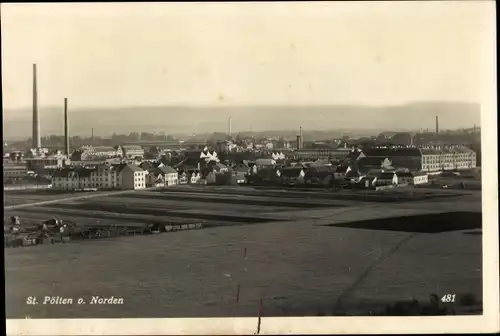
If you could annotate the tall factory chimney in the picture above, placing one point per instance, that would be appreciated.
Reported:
(229, 126)
(298, 142)
(437, 124)
(37, 142)
(301, 139)
(66, 135)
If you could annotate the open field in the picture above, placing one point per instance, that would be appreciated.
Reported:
(305, 256)
(399, 194)
(13, 198)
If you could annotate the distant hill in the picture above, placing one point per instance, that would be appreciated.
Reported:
(173, 119)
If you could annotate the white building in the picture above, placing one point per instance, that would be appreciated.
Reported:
(132, 151)
(100, 151)
(439, 158)
(278, 156)
(209, 155)
(193, 177)
(104, 176)
(131, 176)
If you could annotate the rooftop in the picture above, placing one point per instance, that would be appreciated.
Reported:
(393, 151)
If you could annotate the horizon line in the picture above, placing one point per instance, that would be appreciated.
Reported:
(221, 106)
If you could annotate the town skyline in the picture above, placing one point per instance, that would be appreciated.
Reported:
(179, 120)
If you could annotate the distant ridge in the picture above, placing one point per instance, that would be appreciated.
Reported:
(182, 119)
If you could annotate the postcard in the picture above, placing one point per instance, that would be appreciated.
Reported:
(250, 168)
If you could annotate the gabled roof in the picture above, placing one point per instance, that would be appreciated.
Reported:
(103, 148)
(391, 152)
(133, 167)
(147, 165)
(371, 161)
(188, 171)
(430, 151)
(167, 170)
(73, 172)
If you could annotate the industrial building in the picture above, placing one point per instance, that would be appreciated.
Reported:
(430, 159)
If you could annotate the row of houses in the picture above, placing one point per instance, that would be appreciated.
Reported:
(335, 175)
(204, 166)
(155, 174)
(113, 176)
(430, 159)
(201, 167)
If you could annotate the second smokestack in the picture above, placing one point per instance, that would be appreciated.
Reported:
(301, 138)
(37, 142)
(229, 127)
(437, 124)
(66, 135)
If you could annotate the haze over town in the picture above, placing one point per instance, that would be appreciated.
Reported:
(187, 68)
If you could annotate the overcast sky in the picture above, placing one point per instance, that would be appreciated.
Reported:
(246, 53)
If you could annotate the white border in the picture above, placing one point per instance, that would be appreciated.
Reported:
(248, 325)
(488, 322)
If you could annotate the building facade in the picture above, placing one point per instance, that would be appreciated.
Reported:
(413, 178)
(334, 154)
(12, 170)
(385, 179)
(101, 151)
(429, 159)
(103, 176)
(132, 151)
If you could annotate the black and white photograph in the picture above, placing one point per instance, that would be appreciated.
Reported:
(250, 167)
